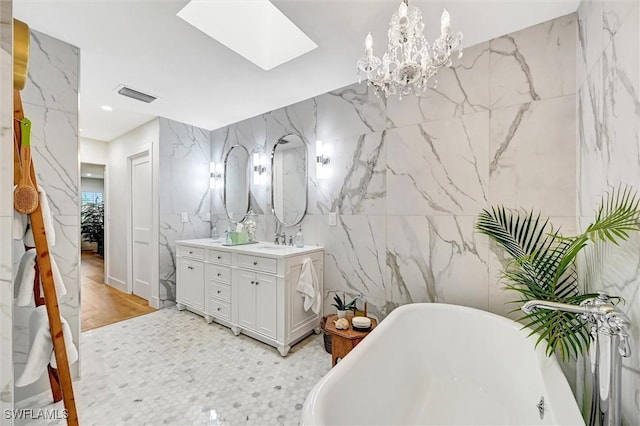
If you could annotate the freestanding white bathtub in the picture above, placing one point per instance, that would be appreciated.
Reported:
(431, 363)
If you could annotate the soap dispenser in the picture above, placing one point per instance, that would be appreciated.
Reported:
(299, 240)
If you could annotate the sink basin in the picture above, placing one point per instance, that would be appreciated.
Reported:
(272, 247)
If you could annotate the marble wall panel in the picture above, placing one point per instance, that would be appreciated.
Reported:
(532, 64)
(533, 156)
(436, 259)
(355, 257)
(591, 149)
(621, 103)
(461, 89)
(355, 182)
(439, 167)
(184, 153)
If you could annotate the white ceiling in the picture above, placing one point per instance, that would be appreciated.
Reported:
(144, 45)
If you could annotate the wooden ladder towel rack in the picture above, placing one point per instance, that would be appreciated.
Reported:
(61, 379)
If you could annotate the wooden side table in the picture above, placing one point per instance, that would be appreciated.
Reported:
(342, 341)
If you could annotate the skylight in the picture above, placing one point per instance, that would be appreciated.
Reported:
(254, 29)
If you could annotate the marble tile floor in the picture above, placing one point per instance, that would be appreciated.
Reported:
(171, 367)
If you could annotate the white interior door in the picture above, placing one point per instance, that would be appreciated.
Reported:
(141, 220)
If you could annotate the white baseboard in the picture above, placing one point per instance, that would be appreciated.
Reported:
(154, 302)
(117, 284)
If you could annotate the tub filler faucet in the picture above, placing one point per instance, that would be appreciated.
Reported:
(609, 328)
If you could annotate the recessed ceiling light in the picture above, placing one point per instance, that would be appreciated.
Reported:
(255, 29)
(80, 129)
(106, 108)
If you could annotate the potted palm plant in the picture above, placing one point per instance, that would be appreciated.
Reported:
(543, 263)
(92, 224)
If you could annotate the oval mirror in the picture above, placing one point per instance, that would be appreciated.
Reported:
(236, 183)
(289, 180)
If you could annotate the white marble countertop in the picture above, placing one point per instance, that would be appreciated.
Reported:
(261, 248)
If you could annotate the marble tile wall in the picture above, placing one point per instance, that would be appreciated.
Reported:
(50, 100)
(407, 178)
(608, 114)
(184, 153)
(6, 210)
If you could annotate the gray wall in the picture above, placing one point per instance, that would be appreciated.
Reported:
(408, 178)
(50, 100)
(608, 108)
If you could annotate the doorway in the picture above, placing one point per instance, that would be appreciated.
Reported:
(101, 304)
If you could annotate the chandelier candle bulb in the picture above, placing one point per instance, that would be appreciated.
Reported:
(402, 10)
(445, 22)
(368, 43)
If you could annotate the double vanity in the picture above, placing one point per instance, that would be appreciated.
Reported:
(250, 288)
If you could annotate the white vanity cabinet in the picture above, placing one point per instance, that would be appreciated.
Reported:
(256, 294)
(190, 269)
(249, 288)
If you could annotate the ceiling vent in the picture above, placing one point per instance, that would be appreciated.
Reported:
(134, 94)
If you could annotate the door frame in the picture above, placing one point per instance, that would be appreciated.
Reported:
(142, 150)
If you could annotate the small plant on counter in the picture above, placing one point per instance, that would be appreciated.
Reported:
(543, 263)
(340, 303)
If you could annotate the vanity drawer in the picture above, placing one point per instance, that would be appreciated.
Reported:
(191, 252)
(219, 309)
(219, 273)
(219, 291)
(217, 256)
(265, 264)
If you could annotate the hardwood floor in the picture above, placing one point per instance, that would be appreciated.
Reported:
(102, 304)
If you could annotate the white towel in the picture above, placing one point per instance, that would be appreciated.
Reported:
(41, 352)
(26, 274)
(308, 286)
(46, 217)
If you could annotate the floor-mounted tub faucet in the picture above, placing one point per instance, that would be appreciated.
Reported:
(610, 332)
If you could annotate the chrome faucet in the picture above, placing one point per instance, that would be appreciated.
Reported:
(609, 328)
(280, 238)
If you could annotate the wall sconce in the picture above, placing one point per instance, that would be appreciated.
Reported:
(322, 159)
(259, 169)
(215, 175)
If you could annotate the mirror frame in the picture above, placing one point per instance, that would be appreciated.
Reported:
(306, 180)
(224, 197)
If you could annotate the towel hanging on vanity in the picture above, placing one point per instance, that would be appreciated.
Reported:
(308, 286)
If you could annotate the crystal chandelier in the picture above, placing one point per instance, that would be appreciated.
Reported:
(410, 61)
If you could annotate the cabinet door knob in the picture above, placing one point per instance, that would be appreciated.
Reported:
(257, 283)
(190, 252)
(218, 308)
(253, 282)
(218, 291)
(219, 257)
(219, 274)
(190, 267)
(255, 263)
